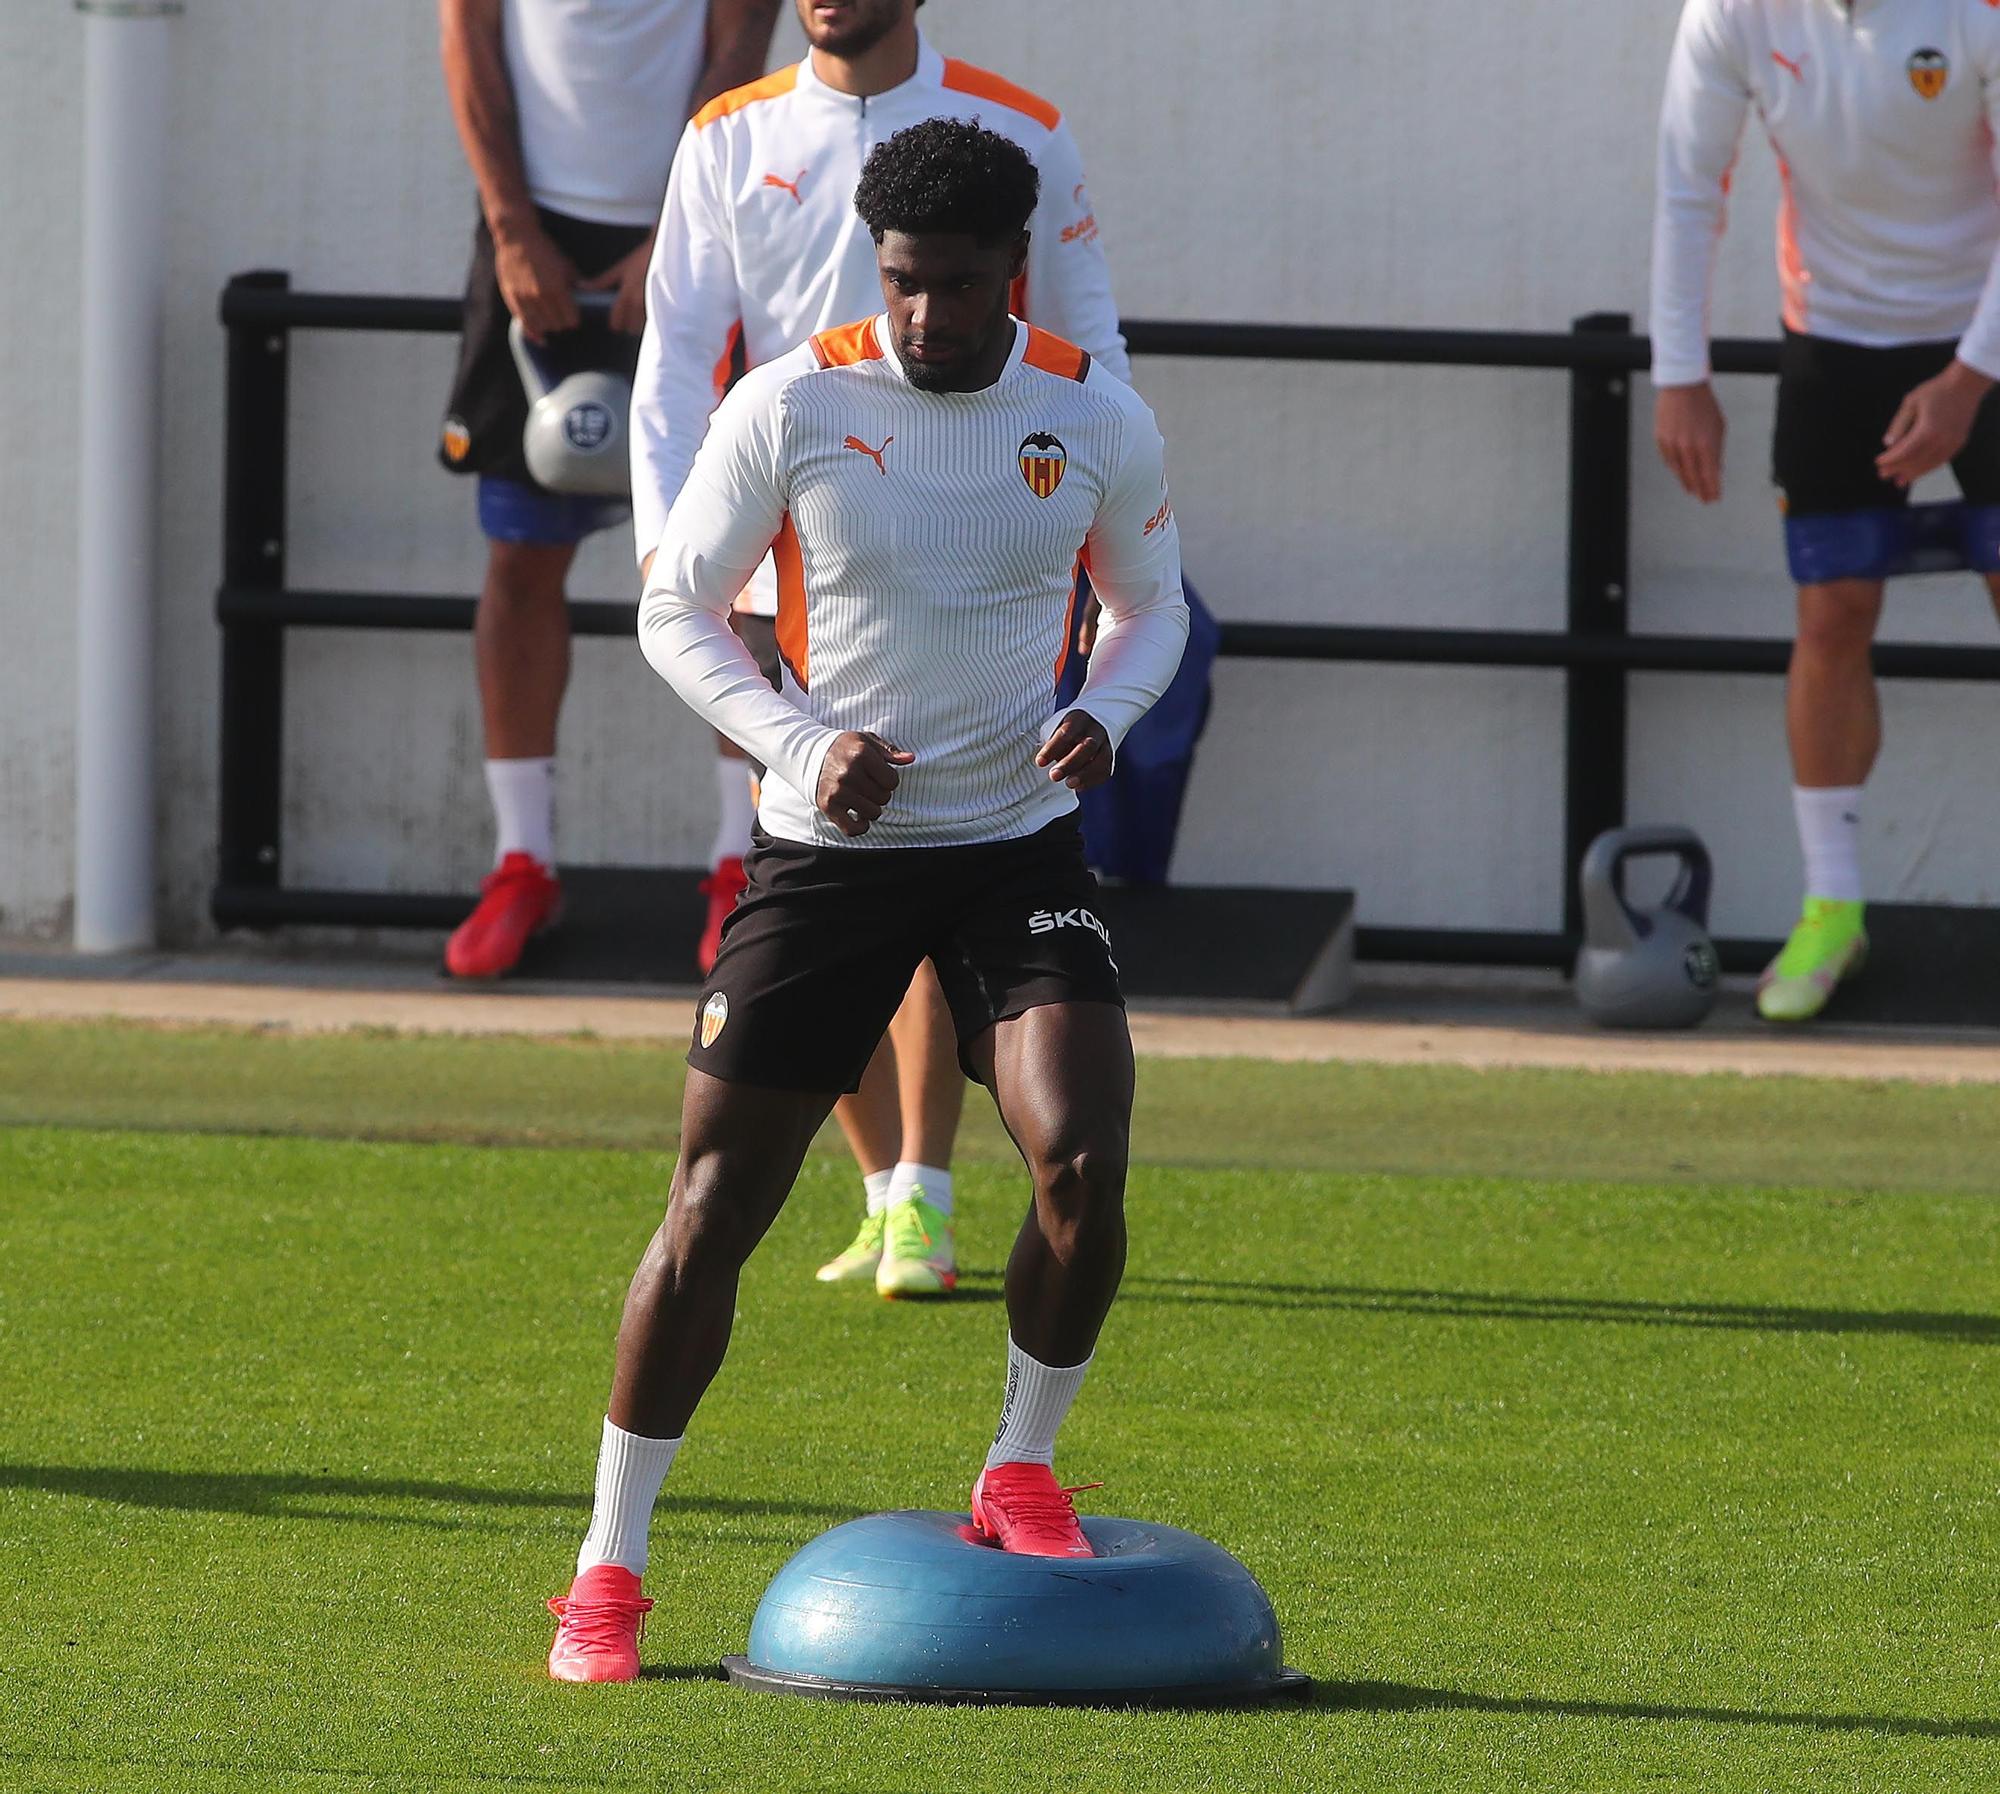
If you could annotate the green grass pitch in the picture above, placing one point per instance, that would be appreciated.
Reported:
(1590, 1433)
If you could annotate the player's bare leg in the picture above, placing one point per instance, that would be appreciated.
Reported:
(521, 650)
(1062, 1078)
(1833, 720)
(741, 1148)
(930, 1087)
(919, 1254)
(521, 647)
(871, 1118)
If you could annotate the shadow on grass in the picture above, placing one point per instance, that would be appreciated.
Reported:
(681, 1672)
(298, 1495)
(1961, 1329)
(1401, 1697)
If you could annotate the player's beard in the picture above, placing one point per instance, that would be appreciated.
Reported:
(873, 21)
(951, 376)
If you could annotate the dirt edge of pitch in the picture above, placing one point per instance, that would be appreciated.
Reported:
(1476, 1024)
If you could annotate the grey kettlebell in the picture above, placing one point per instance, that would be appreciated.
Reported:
(1646, 968)
(575, 439)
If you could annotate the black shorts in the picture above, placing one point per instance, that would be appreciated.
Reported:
(821, 948)
(1835, 400)
(488, 408)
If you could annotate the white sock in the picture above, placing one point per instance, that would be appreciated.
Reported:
(524, 807)
(936, 1184)
(734, 810)
(630, 1471)
(1829, 818)
(1038, 1396)
(876, 1183)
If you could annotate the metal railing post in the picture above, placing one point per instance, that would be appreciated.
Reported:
(253, 558)
(1600, 512)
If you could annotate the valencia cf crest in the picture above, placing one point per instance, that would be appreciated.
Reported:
(1043, 459)
(714, 1018)
(1929, 71)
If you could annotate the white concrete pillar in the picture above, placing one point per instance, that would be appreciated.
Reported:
(124, 241)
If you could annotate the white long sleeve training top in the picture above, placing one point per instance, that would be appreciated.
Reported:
(759, 242)
(1883, 114)
(926, 546)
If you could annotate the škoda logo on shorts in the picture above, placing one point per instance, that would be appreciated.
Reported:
(714, 1018)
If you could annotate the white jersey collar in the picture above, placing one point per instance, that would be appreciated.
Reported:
(929, 76)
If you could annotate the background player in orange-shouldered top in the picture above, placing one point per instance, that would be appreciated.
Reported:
(758, 248)
(928, 480)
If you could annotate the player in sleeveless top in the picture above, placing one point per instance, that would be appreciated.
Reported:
(568, 116)
(928, 480)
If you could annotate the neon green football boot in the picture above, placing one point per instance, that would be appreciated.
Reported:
(1827, 945)
(857, 1264)
(917, 1255)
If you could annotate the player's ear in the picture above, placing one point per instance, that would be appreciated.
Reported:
(1018, 264)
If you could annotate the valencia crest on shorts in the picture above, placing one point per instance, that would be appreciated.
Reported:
(1043, 459)
(714, 1018)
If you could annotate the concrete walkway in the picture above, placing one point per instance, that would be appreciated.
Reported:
(1400, 1016)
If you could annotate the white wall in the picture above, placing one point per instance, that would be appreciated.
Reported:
(1429, 163)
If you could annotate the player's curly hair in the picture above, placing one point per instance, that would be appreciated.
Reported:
(948, 175)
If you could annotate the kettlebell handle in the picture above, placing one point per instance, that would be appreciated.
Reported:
(596, 309)
(1604, 864)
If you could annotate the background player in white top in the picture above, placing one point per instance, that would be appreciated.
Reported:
(928, 480)
(759, 247)
(1883, 117)
(568, 113)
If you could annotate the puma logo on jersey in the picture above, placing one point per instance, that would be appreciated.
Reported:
(791, 186)
(873, 454)
(1797, 70)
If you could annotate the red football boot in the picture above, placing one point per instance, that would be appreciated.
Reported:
(1021, 1507)
(599, 1625)
(517, 899)
(721, 887)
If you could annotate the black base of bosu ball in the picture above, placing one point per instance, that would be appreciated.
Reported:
(915, 1606)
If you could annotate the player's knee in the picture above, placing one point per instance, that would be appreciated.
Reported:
(1081, 1191)
(1837, 622)
(525, 574)
(708, 1223)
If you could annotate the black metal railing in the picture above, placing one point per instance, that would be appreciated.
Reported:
(1595, 651)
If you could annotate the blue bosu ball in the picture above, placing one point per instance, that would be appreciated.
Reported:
(915, 1606)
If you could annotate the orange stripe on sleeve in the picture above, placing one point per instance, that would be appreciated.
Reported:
(1054, 356)
(769, 88)
(1070, 612)
(1791, 264)
(792, 643)
(725, 363)
(962, 77)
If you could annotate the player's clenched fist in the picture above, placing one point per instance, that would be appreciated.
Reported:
(1078, 751)
(857, 778)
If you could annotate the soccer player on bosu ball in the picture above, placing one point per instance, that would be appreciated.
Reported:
(928, 480)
